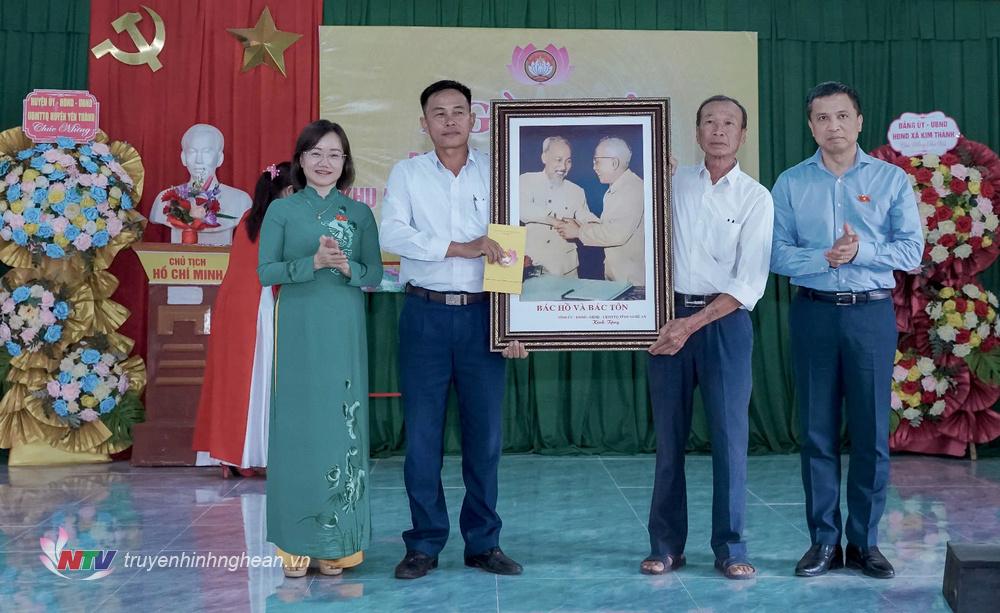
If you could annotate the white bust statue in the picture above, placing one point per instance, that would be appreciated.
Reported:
(201, 154)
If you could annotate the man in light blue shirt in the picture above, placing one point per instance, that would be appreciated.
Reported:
(843, 222)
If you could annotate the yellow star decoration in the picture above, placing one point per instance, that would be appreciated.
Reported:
(264, 43)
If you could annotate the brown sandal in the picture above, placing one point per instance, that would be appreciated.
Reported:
(728, 569)
(661, 566)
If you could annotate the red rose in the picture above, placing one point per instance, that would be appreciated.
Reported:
(949, 159)
(905, 164)
(943, 213)
(910, 387)
(957, 186)
(987, 190)
(982, 309)
(962, 336)
(908, 363)
(931, 222)
(947, 240)
(928, 247)
(923, 175)
(964, 224)
(928, 397)
(961, 304)
(929, 195)
(976, 242)
(988, 343)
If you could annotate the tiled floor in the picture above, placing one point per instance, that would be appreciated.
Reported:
(577, 524)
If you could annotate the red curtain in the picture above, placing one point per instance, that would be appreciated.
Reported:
(260, 112)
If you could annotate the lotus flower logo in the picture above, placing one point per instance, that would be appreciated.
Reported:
(58, 559)
(533, 66)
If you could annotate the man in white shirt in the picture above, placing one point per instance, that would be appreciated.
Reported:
(620, 228)
(722, 246)
(434, 217)
(547, 197)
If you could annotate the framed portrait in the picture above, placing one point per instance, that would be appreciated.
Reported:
(590, 182)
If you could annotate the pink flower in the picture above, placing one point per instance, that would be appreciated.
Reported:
(71, 391)
(984, 204)
(27, 187)
(88, 415)
(7, 306)
(11, 179)
(115, 226)
(47, 318)
(895, 402)
(122, 384)
(959, 171)
(16, 221)
(52, 155)
(928, 383)
(102, 369)
(978, 228)
(100, 148)
(4, 333)
(48, 299)
(102, 208)
(198, 211)
(59, 225)
(101, 181)
(82, 242)
(28, 334)
(53, 388)
(66, 160)
(86, 180)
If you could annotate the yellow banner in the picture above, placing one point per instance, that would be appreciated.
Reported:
(371, 79)
(167, 264)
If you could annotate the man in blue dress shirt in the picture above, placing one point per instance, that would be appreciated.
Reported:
(843, 222)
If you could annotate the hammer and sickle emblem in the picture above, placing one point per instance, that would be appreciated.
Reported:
(146, 52)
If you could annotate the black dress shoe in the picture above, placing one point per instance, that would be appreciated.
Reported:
(494, 561)
(820, 559)
(415, 565)
(869, 561)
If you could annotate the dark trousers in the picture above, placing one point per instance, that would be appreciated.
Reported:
(716, 359)
(843, 353)
(440, 345)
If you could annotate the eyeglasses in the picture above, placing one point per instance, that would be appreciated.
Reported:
(602, 157)
(316, 156)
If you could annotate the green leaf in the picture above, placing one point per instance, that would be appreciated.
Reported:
(894, 420)
(120, 421)
(985, 366)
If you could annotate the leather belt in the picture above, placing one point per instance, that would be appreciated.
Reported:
(846, 298)
(693, 300)
(449, 298)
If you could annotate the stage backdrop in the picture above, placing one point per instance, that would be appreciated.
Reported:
(371, 79)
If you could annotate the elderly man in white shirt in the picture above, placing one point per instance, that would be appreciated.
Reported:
(434, 217)
(722, 246)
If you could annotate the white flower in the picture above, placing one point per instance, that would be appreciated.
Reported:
(991, 222)
(911, 414)
(971, 291)
(984, 204)
(933, 236)
(939, 254)
(946, 333)
(925, 209)
(925, 365)
(16, 322)
(930, 160)
(66, 364)
(947, 227)
(101, 391)
(895, 402)
(942, 387)
(975, 175)
(961, 350)
(36, 291)
(991, 298)
(975, 213)
(963, 251)
(937, 408)
(970, 320)
(79, 371)
(942, 191)
(937, 180)
(983, 330)
(935, 310)
(978, 227)
(959, 171)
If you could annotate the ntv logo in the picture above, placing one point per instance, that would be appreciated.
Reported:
(57, 559)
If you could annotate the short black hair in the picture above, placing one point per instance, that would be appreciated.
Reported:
(311, 135)
(440, 86)
(721, 98)
(832, 88)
